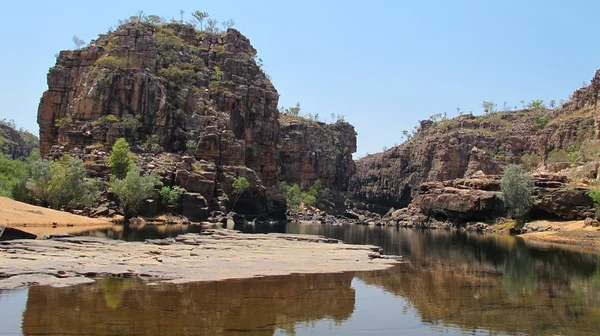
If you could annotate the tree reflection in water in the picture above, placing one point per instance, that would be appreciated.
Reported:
(122, 307)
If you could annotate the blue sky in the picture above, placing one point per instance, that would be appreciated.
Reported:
(383, 64)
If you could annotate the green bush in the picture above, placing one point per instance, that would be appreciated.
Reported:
(133, 189)
(111, 62)
(541, 122)
(170, 197)
(516, 186)
(58, 184)
(296, 196)
(292, 194)
(120, 159)
(594, 194)
(62, 121)
(68, 185)
(11, 172)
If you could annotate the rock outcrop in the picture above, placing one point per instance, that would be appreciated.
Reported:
(477, 198)
(170, 88)
(455, 148)
(312, 150)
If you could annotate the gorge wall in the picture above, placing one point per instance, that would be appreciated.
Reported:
(312, 150)
(456, 148)
(16, 144)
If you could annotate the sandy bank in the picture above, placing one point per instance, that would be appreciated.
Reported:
(38, 220)
(214, 255)
(572, 234)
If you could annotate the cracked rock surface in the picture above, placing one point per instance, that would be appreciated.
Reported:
(209, 256)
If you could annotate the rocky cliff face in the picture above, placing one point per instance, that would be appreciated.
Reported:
(15, 143)
(193, 91)
(312, 150)
(170, 88)
(456, 148)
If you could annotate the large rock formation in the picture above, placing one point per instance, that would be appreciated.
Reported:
(455, 148)
(477, 198)
(169, 87)
(312, 150)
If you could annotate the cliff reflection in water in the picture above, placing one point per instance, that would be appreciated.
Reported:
(127, 307)
(452, 283)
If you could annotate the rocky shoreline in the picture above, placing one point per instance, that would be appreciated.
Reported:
(212, 255)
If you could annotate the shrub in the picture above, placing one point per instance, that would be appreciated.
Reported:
(516, 186)
(535, 105)
(170, 197)
(68, 185)
(120, 160)
(219, 49)
(60, 183)
(293, 195)
(531, 161)
(62, 121)
(240, 185)
(594, 194)
(133, 189)
(541, 122)
(111, 62)
(11, 172)
(557, 155)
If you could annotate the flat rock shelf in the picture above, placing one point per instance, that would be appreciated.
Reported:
(209, 256)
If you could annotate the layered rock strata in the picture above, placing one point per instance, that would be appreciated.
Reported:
(311, 151)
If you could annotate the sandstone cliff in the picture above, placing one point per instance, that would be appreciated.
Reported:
(456, 148)
(171, 88)
(312, 150)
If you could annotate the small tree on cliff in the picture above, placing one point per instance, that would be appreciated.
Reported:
(120, 159)
(199, 17)
(516, 186)
(240, 185)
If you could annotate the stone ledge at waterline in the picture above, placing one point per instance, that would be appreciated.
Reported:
(212, 255)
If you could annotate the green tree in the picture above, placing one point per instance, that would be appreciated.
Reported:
(488, 107)
(69, 186)
(199, 17)
(516, 186)
(133, 189)
(120, 159)
(536, 105)
(240, 185)
(293, 195)
(58, 184)
(11, 172)
(170, 197)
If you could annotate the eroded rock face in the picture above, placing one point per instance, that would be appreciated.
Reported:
(14, 143)
(191, 90)
(170, 88)
(455, 148)
(313, 151)
(478, 198)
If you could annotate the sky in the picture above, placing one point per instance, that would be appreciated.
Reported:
(383, 64)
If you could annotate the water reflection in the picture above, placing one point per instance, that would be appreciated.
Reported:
(453, 283)
(255, 306)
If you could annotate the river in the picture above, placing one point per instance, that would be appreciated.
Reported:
(451, 284)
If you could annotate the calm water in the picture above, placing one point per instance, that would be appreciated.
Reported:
(452, 284)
